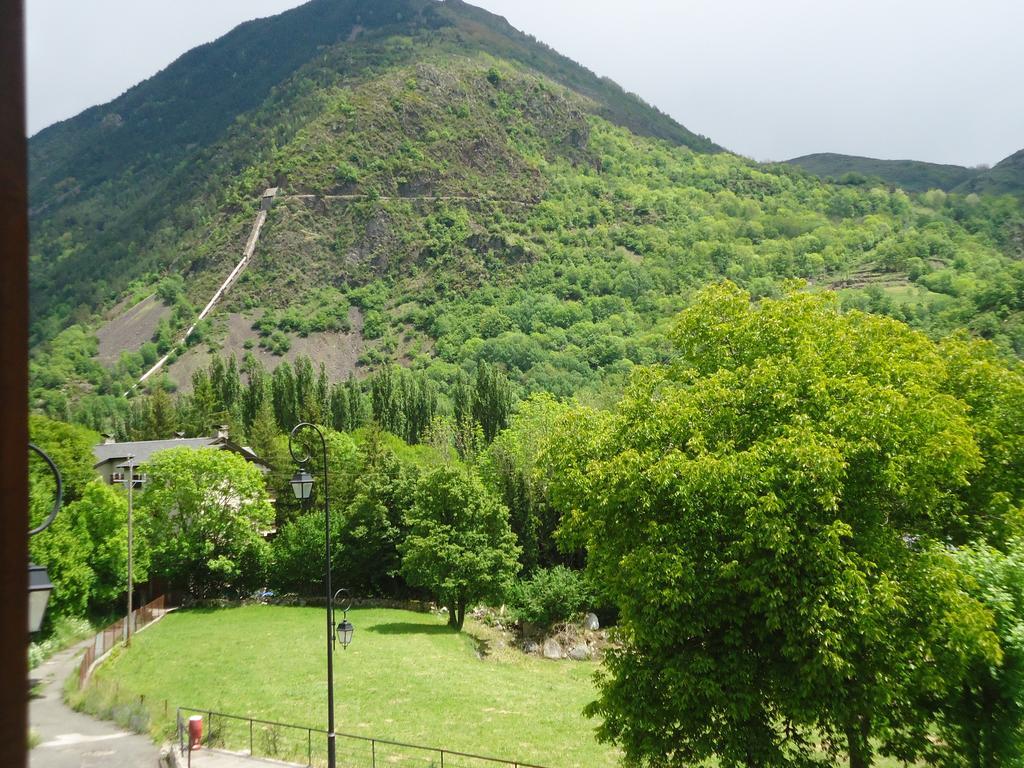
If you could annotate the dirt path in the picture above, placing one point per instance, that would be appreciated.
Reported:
(250, 249)
(421, 198)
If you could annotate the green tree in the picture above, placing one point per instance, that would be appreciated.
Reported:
(983, 719)
(459, 546)
(550, 596)
(762, 511)
(209, 510)
(980, 376)
(64, 548)
(284, 397)
(299, 551)
(492, 400)
(373, 525)
(102, 519)
(162, 420)
(203, 412)
(102, 514)
(513, 465)
(70, 446)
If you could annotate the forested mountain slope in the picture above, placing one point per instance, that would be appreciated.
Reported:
(450, 191)
(106, 184)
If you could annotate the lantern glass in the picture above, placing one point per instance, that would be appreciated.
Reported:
(39, 589)
(345, 632)
(302, 484)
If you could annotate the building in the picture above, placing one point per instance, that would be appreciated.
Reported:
(112, 458)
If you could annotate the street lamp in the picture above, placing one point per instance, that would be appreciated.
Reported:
(39, 585)
(344, 630)
(302, 487)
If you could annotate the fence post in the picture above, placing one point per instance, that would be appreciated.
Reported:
(250, 738)
(373, 754)
(309, 747)
(442, 757)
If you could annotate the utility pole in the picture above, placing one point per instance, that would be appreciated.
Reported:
(131, 486)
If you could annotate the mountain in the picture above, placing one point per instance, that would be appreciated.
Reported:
(111, 174)
(448, 190)
(1007, 177)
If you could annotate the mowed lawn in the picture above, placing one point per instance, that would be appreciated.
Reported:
(406, 677)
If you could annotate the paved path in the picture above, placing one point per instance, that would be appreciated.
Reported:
(69, 739)
(213, 758)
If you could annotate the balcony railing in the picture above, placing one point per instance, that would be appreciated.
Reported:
(138, 478)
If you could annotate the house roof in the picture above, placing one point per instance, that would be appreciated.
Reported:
(142, 450)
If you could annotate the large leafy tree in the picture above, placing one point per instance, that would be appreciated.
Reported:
(101, 515)
(983, 719)
(209, 510)
(373, 525)
(980, 376)
(70, 447)
(460, 545)
(65, 548)
(764, 511)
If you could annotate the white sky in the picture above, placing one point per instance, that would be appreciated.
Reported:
(937, 80)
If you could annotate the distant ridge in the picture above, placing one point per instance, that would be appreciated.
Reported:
(1004, 178)
(911, 175)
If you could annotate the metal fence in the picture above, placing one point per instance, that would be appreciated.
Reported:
(308, 746)
(112, 635)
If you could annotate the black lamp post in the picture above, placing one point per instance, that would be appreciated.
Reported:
(302, 486)
(39, 586)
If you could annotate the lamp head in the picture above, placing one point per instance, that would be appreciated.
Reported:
(302, 484)
(39, 589)
(345, 632)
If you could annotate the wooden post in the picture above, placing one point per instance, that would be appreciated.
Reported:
(13, 388)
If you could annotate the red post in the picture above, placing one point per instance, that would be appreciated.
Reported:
(195, 732)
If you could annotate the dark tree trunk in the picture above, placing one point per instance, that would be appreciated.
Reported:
(857, 745)
(453, 619)
(461, 608)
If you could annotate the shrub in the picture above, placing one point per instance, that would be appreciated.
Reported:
(551, 596)
(278, 343)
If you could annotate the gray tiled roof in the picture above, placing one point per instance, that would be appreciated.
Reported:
(142, 450)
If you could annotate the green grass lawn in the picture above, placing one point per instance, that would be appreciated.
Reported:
(406, 677)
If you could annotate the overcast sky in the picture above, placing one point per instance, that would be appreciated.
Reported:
(937, 80)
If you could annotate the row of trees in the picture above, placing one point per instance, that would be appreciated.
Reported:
(256, 403)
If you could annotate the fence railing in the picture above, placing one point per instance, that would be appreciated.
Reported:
(295, 743)
(112, 635)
